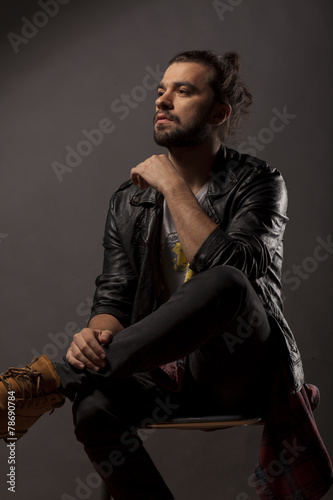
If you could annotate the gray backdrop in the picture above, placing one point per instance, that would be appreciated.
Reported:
(65, 69)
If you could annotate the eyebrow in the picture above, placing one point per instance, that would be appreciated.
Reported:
(184, 83)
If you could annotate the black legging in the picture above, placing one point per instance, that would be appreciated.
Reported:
(218, 323)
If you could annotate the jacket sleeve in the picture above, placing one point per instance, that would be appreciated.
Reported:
(116, 286)
(254, 228)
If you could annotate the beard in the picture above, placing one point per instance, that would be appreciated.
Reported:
(193, 134)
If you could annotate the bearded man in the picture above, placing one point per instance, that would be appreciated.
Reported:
(187, 315)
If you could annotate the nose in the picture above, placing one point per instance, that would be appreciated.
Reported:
(164, 101)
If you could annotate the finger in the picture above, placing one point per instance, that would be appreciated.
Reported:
(91, 338)
(73, 361)
(89, 347)
(143, 184)
(105, 337)
(134, 177)
(87, 362)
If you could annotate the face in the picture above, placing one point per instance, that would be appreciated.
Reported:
(184, 106)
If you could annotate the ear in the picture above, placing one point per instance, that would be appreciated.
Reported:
(220, 114)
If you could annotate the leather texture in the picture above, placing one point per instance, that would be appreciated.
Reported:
(247, 199)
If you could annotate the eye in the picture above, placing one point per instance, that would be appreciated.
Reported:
(160, 92)
(183, 91)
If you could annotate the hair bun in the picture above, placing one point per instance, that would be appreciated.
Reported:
(232, 59)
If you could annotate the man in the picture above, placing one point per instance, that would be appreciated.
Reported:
(187, 316)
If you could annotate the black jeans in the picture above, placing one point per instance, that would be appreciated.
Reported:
(218, 323)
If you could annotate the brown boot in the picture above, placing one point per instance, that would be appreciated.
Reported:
(25, 394)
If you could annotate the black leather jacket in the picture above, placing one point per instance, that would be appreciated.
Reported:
(247, 199)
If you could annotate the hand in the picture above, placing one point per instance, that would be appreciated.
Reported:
(85, 350)
(157, 171)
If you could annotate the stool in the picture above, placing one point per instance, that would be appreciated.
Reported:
(211, 423)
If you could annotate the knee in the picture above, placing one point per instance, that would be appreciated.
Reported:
(227, 279)
(231, 274)
(87, 415)
(228, 289)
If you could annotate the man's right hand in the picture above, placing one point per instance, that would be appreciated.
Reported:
(86, 351)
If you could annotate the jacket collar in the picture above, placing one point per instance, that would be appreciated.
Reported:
(223, 177)
(145, 197)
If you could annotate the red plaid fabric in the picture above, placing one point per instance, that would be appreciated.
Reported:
(174, 374)
(293, 461)
(176, 369)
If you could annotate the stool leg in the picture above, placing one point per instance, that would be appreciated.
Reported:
(105, 495)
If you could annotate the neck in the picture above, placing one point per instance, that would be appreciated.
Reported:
(194, 163)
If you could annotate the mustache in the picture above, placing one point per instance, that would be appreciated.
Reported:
(169, 116)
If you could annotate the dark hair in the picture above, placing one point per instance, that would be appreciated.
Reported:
(225, 82)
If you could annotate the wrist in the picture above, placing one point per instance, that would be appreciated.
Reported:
(105, 322)
(174, 186)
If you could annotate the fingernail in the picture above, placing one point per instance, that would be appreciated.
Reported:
(96, 368)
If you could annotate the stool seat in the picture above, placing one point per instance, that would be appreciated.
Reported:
(205, 423)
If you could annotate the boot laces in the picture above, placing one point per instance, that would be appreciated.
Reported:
(27, 380)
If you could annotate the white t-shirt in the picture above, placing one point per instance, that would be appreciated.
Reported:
(174, 264)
